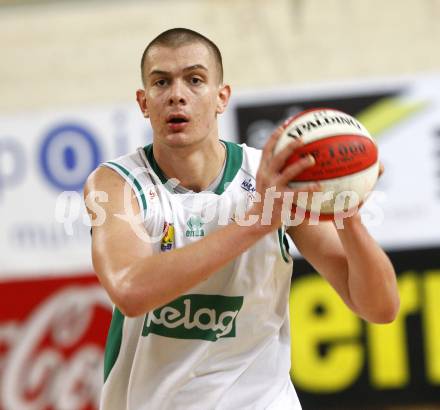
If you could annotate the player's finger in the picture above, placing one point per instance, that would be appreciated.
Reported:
(295, 169)
(270, 144)
(278, 160)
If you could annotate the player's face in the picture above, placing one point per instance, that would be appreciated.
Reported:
(182, 95)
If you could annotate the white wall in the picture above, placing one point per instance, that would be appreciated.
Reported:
(72, 53)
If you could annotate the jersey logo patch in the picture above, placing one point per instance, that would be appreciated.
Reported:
(248, 185)
(205, 317)
(195, 227)
(168, 237)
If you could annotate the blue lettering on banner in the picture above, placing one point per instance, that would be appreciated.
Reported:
(12, 163)
(68, 154)
(27, 236)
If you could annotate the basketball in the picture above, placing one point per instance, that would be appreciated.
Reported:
(346, 161)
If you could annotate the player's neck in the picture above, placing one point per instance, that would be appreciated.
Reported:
(194, 167)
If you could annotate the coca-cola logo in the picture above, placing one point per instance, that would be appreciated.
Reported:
(53, 358)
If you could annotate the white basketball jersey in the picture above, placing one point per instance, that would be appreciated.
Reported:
(225, 344)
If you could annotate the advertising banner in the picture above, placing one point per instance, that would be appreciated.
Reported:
(52, 336)
(338, 359)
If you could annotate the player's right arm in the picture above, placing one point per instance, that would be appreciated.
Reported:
(136, 279)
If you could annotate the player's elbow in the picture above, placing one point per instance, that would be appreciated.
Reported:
(131, 299)
(386, 312)
(127, 301)
(129, 309)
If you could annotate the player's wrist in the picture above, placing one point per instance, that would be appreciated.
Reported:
(351, 220)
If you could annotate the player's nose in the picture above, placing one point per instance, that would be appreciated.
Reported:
(177, 94)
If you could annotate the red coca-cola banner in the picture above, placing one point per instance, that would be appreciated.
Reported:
(52, 336)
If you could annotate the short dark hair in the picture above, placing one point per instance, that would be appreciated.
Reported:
(177, 37)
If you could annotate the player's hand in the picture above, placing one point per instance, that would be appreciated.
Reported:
(273, 178)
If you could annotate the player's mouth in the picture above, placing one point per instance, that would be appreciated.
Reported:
(177, 122)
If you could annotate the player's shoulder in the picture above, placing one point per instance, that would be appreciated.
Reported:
(110, 175)
(103, 179)
(128, 163)
(251, 158)
(251, 151)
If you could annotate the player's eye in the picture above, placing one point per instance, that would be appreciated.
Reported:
(195, 80)
(161, 83)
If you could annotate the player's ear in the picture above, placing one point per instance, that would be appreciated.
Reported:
(224, 93)
(142, 101)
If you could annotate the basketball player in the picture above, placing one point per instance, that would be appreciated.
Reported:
(201, 284)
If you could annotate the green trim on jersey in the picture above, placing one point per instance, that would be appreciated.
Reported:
(113, 343)
(281, 236)
(132, 179)
(234, 160)
(148, 149)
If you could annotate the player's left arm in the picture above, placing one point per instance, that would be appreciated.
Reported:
(354, 264)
